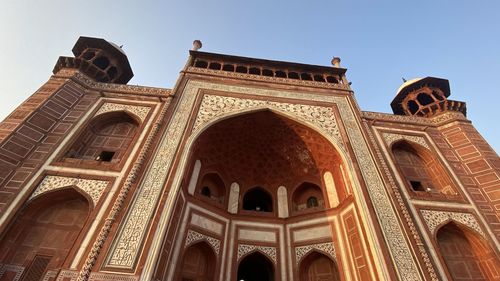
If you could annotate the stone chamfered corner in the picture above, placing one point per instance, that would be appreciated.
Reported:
(248, 169)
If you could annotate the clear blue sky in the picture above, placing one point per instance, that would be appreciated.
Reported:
(379, 42)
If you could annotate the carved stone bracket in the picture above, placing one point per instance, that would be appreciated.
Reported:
(433, 219)
(193, 237)
(391, 138)
(93, 188)
(140, 111)
(213, 106)
(326, 248)
(244, 249)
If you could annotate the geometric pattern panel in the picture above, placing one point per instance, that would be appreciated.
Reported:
(433, 219)
(213, 106)
(193, 237)
(244, 249)
(326, 248)
(93, 188)
(140, 111)
(391, 138)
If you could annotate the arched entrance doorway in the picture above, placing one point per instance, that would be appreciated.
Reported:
(255, 267)
(318, 267)
(198, 263)
(466, 255)
(44, 232)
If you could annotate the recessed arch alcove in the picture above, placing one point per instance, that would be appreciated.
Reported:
(256, 267)
(106, 138)
(422, 172)
(198, 263)
(267, 161)
(466, 254)
(318, 266)
(45, 231)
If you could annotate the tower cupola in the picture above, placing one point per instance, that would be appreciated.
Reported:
(100, 59)
(425, 97)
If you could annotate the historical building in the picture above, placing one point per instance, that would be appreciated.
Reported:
(247, 169)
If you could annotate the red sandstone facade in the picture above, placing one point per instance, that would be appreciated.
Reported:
(247, 169)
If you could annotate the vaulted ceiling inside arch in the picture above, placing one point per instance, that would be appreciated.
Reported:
(265, 149)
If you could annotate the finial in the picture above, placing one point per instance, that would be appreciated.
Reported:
(404, 80)
(196, 45)
(336, 61)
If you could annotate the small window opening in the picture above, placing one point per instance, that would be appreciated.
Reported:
(280, 73)
(201, 64)
(105, 156)
(267, 72)
(312, 202)
(254, 70)
(417, 186)
(101, 62)
(215, 66)
(413, 106)
(319, 78)
(88, 55)
(293, 75)
(306, 76)
(241, 69)
(228, 67)
(112, 71)
(331, 79)
(424, 99)
(205, 191)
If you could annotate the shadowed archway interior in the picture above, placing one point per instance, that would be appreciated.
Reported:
(255, 267)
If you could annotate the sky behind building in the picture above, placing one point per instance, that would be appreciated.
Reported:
(379, 42)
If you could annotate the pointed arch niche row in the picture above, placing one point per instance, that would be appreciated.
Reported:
(264, 174)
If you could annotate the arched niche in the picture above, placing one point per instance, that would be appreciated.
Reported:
(198, 263)
(255, 267)
(307, 196)
(106, 138)
(45, 231)
(211, 187)
(465, 253)
(422, 172)
(257, 199)
(317, 266)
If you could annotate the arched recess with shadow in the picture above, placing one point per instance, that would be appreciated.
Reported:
(255, 267)
(307, 196)
(318, 267)
(198, 263)
(106, 138)
(258, 199)
(212, 188)
(422, 171)
(466, 254)
(45, 231)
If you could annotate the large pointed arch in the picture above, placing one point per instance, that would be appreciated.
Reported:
(46, 231)
(466, 254)
(199, 262)
(255, 266)
(318, 266)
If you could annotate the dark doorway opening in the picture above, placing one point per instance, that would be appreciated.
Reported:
(255, 267)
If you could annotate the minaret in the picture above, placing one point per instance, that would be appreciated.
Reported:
(425, 97)
(99, 59)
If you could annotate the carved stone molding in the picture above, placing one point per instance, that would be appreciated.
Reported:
(213, 106)
(140, 111)
(391, 138)
(433, 219)
(244, 249)
(93, 188)
(11, 268)
(327, 248)
(193, 237)
(67, 275)
(49, 275)
(268, 78)
(438, 120)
